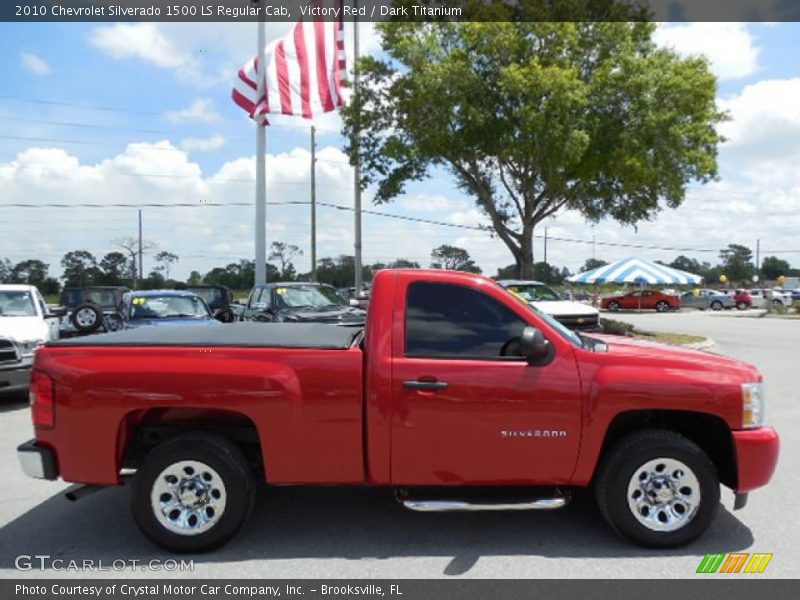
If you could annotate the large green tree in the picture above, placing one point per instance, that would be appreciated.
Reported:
(453, 258)
(737, 262)
(773, 267)
(79, 268)
(31, 272)
(533, 118)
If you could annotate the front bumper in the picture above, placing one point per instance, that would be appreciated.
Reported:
(756, 457)
(36, 461)
(15, 377)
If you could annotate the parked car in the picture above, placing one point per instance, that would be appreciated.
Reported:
(454, 388)
(300, 302)
(25, 324)
(162, 308)
(761, 297)
(572, 314)
(354, 298)
(648, 299)
(220, 300)
(741, 298)
(90, 309)
(705, 299)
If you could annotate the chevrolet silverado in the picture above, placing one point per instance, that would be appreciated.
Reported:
(456, 394)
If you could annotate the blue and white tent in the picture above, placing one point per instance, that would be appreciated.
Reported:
(637, 270)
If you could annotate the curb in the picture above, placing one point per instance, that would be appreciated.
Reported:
(705, 344)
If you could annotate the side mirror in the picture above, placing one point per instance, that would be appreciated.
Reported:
(532, 345)
(56, 311)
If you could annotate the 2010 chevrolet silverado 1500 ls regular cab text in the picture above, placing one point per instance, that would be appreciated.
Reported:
(456, 394)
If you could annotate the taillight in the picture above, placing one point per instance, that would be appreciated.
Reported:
(42, 400)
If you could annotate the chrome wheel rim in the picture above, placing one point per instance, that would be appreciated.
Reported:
(86, 317)
(188, 497)
(664, 494)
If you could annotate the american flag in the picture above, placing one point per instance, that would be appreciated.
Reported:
(305, 74)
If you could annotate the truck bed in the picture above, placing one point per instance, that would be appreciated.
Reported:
(316, 336)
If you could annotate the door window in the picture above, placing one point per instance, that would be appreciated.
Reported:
(452, 321)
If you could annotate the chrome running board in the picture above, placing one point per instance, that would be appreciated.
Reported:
(461, 505)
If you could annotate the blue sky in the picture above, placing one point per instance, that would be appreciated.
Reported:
(174, 136)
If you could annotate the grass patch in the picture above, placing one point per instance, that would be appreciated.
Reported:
(674, 339)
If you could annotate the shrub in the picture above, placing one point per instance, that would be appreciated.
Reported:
(613, 327)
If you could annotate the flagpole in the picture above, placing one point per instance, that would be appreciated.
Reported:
(313, 205)
(359, 283)
(261, 166)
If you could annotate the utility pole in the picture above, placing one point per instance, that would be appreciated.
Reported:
(313, 204)
(141, 248)
(545, 244)
(359, 274)
(758, 256)
(592, 242)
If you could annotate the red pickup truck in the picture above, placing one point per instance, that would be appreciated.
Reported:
(456, 394)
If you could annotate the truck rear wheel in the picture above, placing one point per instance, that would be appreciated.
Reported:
(658, 489)
(192, 493)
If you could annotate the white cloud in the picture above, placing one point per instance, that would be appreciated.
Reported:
(204, 55)
(730, 47)
(207, 144)
(35, 63)
(201, 110)
(138, 40)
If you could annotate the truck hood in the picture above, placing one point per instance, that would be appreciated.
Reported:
(23, 329)
(664, 355)
(564, 308)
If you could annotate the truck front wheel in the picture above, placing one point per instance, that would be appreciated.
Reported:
(192, 493)
(658, 488)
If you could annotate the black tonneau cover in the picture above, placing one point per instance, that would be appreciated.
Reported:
(249, 334)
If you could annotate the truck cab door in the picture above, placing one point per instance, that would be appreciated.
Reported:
(466, 408)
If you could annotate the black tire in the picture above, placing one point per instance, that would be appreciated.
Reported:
(86, 318)
(742, 306)
(662, 306)
(716, 305)
(613, 306)
(225, 460)
(777, 304)
(113, 322)
(632, 453)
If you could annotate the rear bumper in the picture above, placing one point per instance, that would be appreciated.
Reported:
(36, 461)
(756, 457)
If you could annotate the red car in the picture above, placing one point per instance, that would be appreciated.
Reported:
(457, 395)
(741, 298)
(649, 299)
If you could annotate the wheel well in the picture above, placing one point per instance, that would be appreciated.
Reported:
(143, 430)
(709, 432)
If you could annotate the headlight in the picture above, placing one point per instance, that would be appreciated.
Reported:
(752, 405)
(28, 348)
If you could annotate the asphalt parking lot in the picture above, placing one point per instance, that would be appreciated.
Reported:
(340, 532)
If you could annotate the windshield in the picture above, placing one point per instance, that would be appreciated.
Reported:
(17, 304)
(566, 333)
(310, 296)
(534, 292)
(212, 296)
(164, 307)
